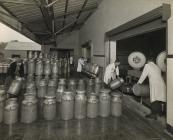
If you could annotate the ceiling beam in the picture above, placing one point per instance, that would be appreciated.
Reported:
(65, 11)
(46, 13)
(77, 11)
(81, 10)
(9, 19)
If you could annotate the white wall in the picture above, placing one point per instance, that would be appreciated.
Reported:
(112, 13)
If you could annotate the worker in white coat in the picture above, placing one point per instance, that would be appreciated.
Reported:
(111, 72)
(157, 88)
(81, 63)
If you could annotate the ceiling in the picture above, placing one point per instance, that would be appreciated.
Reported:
(43, 20)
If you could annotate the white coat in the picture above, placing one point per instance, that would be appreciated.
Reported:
(110, 73)
(156, 82)
(80, 63)
(71, 60)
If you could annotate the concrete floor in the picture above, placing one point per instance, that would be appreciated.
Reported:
(130, 126)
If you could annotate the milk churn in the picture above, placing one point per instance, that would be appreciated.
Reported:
(29, 109)
(47, 67)
(67, 105)
(60, 66)
(42, 88)
(104, 103)
(31, 88)
(51, 91)
(116, 104)
(40, 55)
(30, 78)
(61, 88)
(11, 111)
(65, 66)
(80, 105)
(92, 106)
(98, 85)
(116, 83)
(37, 81)
(72, 86)
(2, 103)
(68, 63)
(30, 55)
(39, 67)
(81, 84)
(62, 81)
(31, 66)
(55, 67)
(15, 86)
(141, 90)
(95, 69)
(47, 77)
(49, 107)
(90, 86)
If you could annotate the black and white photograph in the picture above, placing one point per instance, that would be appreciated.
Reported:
(86, 69)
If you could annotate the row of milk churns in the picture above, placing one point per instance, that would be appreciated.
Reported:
(81, 106)
(47, 66)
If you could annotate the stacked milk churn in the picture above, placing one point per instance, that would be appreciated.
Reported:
(46, 94)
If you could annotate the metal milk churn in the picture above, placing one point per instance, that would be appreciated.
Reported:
(98, 85)
(90, 86)
(92, 106)
(95, 69)
(30, 54)
(49, 107)
(29, 109)
(59, 66)
(68, 63)
(116, 104)
(104, 103)
(15, 86)
(72, 86)
(55, 67)
(39, 67)
(42, 88)
(37, 81)
(31, 66)
(141, 90)
(81, 84)
(31, 88)
(47, 67)
(2, 103)
(65, 66)
(116, 83)
(30, 78)
(60, 90)
(80, 105)
(51, 91)
(67, 105)
(11, 111)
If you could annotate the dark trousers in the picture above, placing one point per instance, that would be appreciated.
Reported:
(158, 107)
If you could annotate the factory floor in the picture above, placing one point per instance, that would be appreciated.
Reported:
(130, 126)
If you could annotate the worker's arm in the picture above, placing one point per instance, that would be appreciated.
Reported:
(143, 75)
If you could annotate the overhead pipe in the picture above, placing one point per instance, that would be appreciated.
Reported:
(51, 4)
